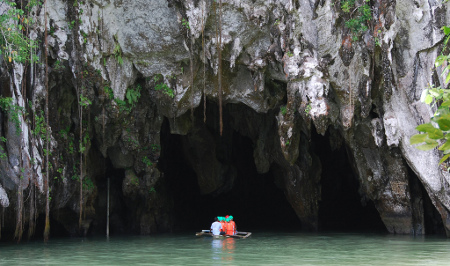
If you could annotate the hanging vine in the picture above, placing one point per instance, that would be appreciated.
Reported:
(47, 138)
(191, 62)
(204, 65)
(219, 51)
(220, 66)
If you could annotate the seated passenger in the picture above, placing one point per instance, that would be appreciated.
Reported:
(216, 227)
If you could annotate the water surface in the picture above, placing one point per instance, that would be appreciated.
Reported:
(262, 248)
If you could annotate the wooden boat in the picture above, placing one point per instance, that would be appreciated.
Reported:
(237, 235)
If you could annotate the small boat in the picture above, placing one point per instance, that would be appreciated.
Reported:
(237, 235)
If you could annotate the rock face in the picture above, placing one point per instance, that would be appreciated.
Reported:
(290, 69)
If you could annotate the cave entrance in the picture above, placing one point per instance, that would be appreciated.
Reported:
(341, 207)
(254, 200)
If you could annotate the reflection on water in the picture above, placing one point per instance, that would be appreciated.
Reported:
(223, 248)
(260, 249)
(216, 248)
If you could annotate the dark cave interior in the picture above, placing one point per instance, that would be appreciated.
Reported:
(255, 200)
(341, 207)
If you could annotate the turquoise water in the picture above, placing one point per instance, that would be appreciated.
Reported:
(262, 248)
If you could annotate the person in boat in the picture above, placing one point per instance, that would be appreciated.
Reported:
(223, 222)
(216, 227)
(231, 226)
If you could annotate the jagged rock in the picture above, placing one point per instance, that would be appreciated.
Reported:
(4, 201)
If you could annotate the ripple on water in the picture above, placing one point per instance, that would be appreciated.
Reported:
(260, 249)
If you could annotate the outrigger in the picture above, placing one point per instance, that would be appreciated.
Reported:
(237, 235)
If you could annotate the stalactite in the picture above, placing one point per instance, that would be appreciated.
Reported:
(46, 185)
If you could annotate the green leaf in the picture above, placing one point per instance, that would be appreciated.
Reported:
(445, 104)
(435, 92)
(446, 30)
(440, 60)
(437, 134)
(425, 127)
(428, 99)
(445, 146)
(444, 124)
(444, 158)
(423, 95)
(418, 138)
(433, 133)
(431, 144)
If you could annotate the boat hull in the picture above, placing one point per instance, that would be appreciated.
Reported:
(237, 235)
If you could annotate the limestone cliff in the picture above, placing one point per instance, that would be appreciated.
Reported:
(290, 69)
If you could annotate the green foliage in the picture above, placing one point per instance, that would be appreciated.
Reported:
(135, 180)
(289, 53)
(40, 128)
(88, 185)
(85, 141)
(155, 147)
(185, 23)
(14, 43)
(133, 95)
(283, 110)
(123, 107)
(308, 109)
(118, 53)
(3, 154)
(435, 133)
(163, 86)
(109, 92)
(84, 101)
(147, 161)
(60, 172)
(84, 35)
(58, 66)
(347, 5)
(2, 151)
(14, 111)
(64, 132)
(70, 148)
(359, 16)
(152, 190)
(71, 24)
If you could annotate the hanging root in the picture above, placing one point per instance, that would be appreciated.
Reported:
(219, 48)
(204, 68)
(46, 185)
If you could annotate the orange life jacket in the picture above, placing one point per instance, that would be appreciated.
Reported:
(224, 226)
(231, 228)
